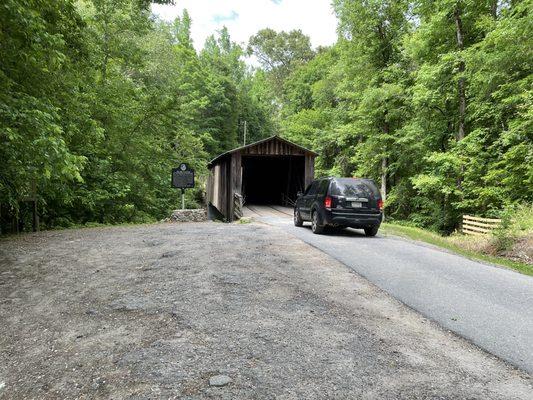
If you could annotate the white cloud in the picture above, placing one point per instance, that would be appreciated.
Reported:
(244, 18)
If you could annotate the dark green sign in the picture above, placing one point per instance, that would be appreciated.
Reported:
(183, 177)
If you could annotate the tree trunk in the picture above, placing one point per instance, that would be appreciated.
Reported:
(384, 163)
(384, 181)
(106, 38)
(494, 9)
(461, 93)
(461, 82)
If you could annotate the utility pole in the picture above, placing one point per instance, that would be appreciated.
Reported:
(245, 126)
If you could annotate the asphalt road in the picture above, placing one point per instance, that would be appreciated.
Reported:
(490, 306)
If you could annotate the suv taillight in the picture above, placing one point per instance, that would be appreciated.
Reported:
(327, 202)
(380, 204)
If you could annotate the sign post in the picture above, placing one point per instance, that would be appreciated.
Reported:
(183, 178)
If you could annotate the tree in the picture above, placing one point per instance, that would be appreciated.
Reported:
(371, 32)
(42, 57)
(280, 53)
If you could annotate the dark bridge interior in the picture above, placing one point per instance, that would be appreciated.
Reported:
(272, 179)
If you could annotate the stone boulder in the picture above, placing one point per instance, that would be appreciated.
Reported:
(191, 215)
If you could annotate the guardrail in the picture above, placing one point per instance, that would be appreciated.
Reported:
(479, 226)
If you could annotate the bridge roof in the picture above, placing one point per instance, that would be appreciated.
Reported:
(274, 145)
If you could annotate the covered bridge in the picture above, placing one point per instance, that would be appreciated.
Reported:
(270, 171)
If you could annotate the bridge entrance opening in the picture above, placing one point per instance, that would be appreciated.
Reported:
(272, 179)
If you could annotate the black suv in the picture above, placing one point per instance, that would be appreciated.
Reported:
(340, 202)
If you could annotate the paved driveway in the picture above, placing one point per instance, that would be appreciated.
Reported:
(490, 306)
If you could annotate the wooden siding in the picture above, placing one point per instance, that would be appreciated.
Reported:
(274, 147)
(218, 187)
(236, 182)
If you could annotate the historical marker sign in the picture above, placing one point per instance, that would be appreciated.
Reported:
(183, 177)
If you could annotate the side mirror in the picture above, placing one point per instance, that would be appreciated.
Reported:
(299, 194)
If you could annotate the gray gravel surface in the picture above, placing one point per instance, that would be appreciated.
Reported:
(156, 311)
(489, 305)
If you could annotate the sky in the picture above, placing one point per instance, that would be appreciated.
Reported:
(244, 18)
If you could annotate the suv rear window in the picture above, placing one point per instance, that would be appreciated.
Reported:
(312, 188)
(323, 188)
(352, 187)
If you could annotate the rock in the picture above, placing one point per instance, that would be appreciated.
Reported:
(219, 380)
(170, 254)
(197, 215)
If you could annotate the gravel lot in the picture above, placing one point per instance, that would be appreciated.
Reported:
(156, 311)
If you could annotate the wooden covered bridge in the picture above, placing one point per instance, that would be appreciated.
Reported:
(270, 171)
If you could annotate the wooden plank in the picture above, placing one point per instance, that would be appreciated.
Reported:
(467, 232)
(214, 186)
(482, 219)
(238, 171)
(480, 224)
(235, 183)
(483, 224)
(228, 192)
(223, 188)
(475, 228)
(209, 187)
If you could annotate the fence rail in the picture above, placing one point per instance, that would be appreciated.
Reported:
(479, 226)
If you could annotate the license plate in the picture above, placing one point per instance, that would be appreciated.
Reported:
(357, 204)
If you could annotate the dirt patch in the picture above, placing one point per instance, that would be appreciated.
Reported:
(518, 249)
(521, 250)
(156, 311)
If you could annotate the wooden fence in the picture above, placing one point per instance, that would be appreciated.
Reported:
(479, 226)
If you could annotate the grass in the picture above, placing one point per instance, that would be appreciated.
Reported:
(452, 245)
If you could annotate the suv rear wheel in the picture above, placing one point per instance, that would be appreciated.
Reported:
(298, 221)
(372, 231)
(315, 223)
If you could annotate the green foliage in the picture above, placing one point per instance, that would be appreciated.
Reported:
(98, 102)
(40, 54)
(517, 223)
(389, 93)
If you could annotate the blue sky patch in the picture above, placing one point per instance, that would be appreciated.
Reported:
(232, 16)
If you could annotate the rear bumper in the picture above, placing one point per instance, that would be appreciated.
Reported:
(353, 220)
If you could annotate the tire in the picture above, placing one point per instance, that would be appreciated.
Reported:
(372, 231)
(298, 221)
(315, 223)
